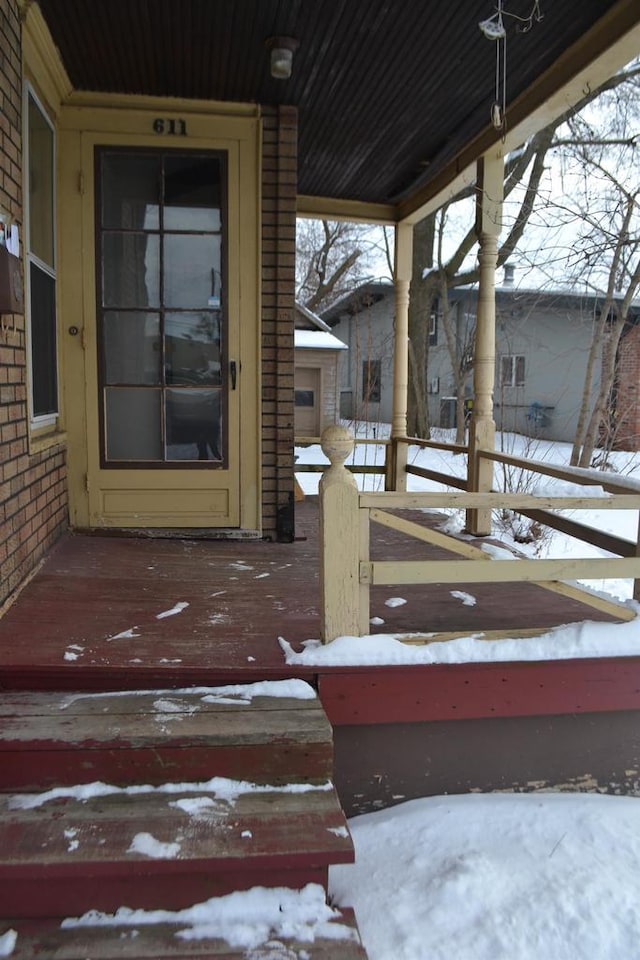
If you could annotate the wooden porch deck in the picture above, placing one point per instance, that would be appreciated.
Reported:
(94, 615)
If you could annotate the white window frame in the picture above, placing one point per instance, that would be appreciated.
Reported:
(512, 379)
(48, 420)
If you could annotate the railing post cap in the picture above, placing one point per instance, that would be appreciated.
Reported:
(337, 443)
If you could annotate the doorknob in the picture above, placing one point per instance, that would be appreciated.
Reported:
(233, 370)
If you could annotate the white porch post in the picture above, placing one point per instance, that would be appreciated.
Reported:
(396, 476)
(482, 430)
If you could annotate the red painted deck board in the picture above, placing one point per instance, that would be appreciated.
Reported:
(49, 738)
(241, 597)
(471, 691)
(68, 855)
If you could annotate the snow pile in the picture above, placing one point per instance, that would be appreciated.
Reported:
(7, 943)
(569, 642)
(222, 788)
(245, 920)
(520, 877)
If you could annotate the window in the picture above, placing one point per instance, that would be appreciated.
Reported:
(304, 398)
(40, 255)
(512, 371)
(433, 330)
(371, 381)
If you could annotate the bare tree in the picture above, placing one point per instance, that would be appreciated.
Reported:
(333, 258)
(435, 275)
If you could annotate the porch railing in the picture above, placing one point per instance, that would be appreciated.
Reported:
(348, 572)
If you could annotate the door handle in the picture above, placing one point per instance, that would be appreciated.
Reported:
(233, 370)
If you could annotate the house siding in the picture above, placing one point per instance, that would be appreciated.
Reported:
(553, 336)
(369, 336)
(33, 499)
(279, 188)
(327, 362)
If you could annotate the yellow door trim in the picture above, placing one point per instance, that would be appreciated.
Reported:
(99, 497)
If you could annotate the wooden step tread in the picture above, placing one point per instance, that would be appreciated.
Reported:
(158, 941)
(179, 845)
(61, 738)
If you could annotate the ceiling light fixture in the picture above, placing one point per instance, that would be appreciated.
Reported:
(281, 50)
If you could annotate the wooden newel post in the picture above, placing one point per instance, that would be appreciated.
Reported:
(339, 539)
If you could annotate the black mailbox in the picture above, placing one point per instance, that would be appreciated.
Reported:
(11, 295)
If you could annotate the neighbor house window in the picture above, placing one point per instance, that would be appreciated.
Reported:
(40, 262)
(512, 371)
(371, 379)
(433, 330)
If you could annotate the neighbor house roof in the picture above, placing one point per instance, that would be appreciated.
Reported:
(317, 340)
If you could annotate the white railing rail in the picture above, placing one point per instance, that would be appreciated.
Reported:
(348, 572)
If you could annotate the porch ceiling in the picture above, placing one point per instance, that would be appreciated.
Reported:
(389, 92)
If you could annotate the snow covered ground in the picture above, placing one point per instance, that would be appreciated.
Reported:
(497, 877)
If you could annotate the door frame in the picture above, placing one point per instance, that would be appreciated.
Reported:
(160, 124)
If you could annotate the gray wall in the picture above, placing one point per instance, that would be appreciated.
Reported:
(552, 332)
(369, 336)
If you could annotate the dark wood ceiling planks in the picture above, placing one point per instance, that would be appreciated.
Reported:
(388, 91)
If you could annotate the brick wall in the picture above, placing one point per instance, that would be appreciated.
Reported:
(627, 423)
(279, 185)
(33, 505)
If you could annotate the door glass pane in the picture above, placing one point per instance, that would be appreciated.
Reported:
(192, 348)
(191, 193)
(194, 425)
(131, 347)
(133, 423)
(192, 270)
(130, 270)
(162, 327)
(130, 191)
(40, 184)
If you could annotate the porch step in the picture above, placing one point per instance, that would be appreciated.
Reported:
(49, 739)
(160, 799)
(60, 855)
(161, 941)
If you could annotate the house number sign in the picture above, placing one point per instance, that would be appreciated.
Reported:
(170, 127)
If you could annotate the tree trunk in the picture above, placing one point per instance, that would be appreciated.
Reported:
(420, 308)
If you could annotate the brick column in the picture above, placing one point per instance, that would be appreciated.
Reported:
(279, 186)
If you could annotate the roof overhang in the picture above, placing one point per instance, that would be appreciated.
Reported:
(393, 96)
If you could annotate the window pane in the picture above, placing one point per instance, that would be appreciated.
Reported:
(371, 371)
(192, 348)
(131, 270)
(519, 371)
(191, 193)
(130, 191)
(191, 271)
(131, 347)
(304, 398)
(43, 342)
(40, 185)
(133, 429)
(194, 425)
(505, 371)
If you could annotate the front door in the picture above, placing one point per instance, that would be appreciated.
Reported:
(164, 349)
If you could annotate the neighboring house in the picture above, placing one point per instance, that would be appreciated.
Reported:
(315, 374)
(542, 344)
(363, 320)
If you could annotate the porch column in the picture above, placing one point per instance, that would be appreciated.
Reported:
(396, 478)
(489, 194)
